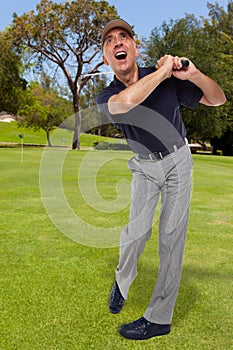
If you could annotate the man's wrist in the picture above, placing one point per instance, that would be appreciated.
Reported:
(163, 73)
(196, 77)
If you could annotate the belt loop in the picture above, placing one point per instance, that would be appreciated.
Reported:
(161, 155)
(150, 156)
(175, 148)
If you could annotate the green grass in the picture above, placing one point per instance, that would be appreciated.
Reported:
(54, 291)
(9, 133)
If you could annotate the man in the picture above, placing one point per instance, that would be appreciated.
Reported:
(144, 103)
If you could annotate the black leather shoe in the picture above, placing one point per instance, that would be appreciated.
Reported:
(142, 329)
(116, 300)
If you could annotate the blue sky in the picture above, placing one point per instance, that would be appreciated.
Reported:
(144, 15)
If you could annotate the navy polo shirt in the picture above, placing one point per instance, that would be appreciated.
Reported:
(156, 124)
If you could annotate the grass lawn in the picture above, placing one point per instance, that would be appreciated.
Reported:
(54, 291)
(9, 133)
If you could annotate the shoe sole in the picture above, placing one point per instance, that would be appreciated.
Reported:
(113, 311)
(125, 335)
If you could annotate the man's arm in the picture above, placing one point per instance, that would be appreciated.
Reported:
(166, 66)
(213, 95)
(136, 93)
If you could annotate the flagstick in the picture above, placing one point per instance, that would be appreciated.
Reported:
(21, 137)
(22, 150)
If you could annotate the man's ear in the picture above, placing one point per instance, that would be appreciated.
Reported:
(105, 61)
(136, 51)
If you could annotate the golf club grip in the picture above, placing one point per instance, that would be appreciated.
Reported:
(185, 63)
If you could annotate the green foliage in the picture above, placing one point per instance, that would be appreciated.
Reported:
(174, 37)
(208, 44)
(67, 36)
(10, 78)
(42, 108)
(120, 146)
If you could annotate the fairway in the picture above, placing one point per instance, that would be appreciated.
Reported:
(55, 287)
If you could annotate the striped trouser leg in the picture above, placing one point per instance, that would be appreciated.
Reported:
(176, 193)
(172, 178)
(145, 195)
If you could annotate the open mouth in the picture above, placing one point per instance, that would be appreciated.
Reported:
(121, 55)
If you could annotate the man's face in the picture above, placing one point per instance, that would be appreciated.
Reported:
(119, 50)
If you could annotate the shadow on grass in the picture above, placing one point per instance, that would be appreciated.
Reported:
(189, 294)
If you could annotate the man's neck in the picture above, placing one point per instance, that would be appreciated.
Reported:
(129, 78)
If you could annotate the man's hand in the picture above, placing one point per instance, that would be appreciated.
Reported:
(166, 63)
(173, 66)
(180, 72)
(213, 95)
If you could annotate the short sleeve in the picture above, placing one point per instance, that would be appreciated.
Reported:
(188, 94)
(102, 101)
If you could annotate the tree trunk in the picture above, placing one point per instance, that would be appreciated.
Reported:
(77, 131)
(77, 126)
(48, 138)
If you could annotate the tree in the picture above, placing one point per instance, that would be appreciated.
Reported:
(43, 108)
(10, 76)
(174, 37)
(200, 41)
(67, 37)
(219, 26)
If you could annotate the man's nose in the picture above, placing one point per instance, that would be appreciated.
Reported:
(118, 43)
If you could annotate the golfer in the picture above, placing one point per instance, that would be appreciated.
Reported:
(144, 103)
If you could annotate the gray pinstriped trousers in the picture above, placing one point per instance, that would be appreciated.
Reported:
(172, 178)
